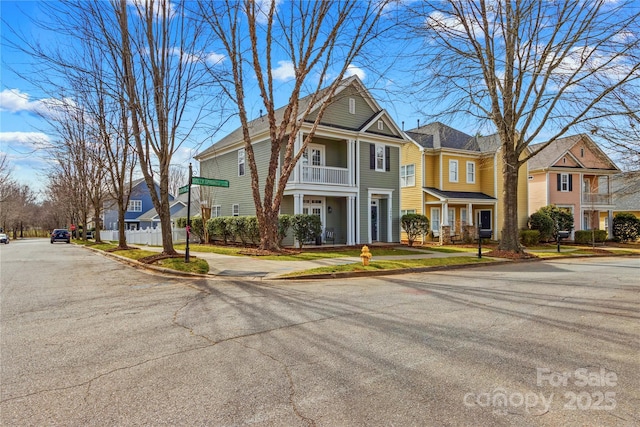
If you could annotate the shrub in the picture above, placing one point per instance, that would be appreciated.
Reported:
(306, 227)
(414, 225)
(284, 223)
(530, 237)
(586, 237)
(626, 227)
(543, 224)
(560, 219)
(220, 226)
(252, 231)
(238, 228)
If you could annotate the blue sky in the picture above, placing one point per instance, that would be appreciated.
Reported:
(21, 102)
(22, 130)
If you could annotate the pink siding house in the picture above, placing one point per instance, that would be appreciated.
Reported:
(573, 173)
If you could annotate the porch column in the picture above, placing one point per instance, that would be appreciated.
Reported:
(369, 219)
(351, 144)
(297, 203)
(296, 170)
(610, 224)
(470, 214)
(445, 214)
(390, 220)
(351, 220)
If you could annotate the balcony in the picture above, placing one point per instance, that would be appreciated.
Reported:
(324, 175)
(596, 199)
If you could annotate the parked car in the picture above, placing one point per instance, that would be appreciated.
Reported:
(60, 235)
(4, 238)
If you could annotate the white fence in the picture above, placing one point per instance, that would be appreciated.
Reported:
(147, 236)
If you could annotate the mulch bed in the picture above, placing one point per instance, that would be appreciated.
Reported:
(509, 255)
(155, 258)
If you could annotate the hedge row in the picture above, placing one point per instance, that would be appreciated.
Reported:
(245, 230)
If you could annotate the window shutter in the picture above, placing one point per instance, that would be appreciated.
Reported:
(387, 158)
(559, 182)
(570, 182)
(372, 156)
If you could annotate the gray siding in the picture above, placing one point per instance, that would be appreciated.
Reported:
(239, 191)
(370, 178)
(337, 114)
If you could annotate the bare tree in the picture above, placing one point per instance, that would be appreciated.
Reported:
(178, 177)
(162, 72)
(532, 69)
(320, 40)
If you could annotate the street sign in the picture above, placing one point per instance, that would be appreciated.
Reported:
(183, 190)
(196, 180)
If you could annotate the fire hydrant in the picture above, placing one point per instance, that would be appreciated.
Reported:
(365, 255)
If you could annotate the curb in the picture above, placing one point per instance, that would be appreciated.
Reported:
(366, 273)
(140, 265)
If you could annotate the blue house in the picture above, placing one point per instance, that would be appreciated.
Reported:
(140, 211)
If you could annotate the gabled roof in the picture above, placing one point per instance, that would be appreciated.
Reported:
(261, 124)
(626, 191)
(438, 135)
(551, 154)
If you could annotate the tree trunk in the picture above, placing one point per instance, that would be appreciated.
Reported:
(510, 233)
(269, 230)
(165, 224)
(122, 236)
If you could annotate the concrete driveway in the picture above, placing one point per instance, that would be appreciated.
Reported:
(88, 341)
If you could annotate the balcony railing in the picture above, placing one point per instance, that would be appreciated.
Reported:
(596, 198)
(325, 175)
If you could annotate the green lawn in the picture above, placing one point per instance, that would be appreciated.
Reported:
(390, 265)
(306, 254)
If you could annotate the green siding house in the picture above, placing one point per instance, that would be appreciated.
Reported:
(349, 174)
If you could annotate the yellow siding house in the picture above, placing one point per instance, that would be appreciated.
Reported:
(455, 180)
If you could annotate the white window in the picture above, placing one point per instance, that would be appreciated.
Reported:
(452, 221)
(216, 211)
(241, 162)
(235, 210)
(380, 125)
(471, 172)
(435, 220)
(352, 105)
(453, 171)
(463, 216)
(407, 211)
(379, 157)
(134, 206)
(408, 176)
(564, 182)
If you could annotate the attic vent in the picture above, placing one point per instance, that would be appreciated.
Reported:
(352, 105)
(380, 125)
(582, 152)
(564, 160)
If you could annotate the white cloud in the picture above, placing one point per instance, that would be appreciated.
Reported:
(214, 58)
(28, 140)
(353, 70)
(15, 101)
(284, 71)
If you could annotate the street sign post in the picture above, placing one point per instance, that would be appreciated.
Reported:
(196, 180)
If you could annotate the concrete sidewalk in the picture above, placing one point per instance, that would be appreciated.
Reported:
(253, 267)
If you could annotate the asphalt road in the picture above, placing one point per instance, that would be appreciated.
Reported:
(86, 341)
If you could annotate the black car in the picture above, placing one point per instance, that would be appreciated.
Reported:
(60, 235)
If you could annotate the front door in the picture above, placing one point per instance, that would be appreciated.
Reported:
(485, 220)
(374, 221)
